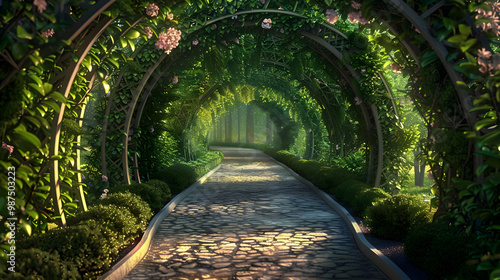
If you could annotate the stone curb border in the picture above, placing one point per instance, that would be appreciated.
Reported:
(388, 267)
(127, 263)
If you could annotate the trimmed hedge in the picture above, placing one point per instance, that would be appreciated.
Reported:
(120, 225)
(137, 207)
(366, 198)
(347, 190)
(155, 197)
(439, 249)
(392, 218)
(34, 263)
(90, 246)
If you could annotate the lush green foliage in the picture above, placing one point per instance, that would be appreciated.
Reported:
(154, 196)
(439, 249)
(138, 208)
(35, 264)
(392, 218)
(366, 198)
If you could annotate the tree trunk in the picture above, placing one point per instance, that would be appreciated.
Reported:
(229, 127)
(269, 131)
(250, 125)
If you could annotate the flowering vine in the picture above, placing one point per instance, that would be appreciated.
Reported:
(152, 10)
(169, 40)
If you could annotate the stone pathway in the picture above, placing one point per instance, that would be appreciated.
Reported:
(253, 220)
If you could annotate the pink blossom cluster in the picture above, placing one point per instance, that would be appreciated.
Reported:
(41, 5)
(152, 10)
(48, 33)
(195, 42)
(168, 40)
(263, 2)
(175, 80)
(8, 148)
(331, 16)
(355, 5)
(170, 16)
(358, 101)
(488, 62)
(148, 32)
(493, 20)
(104, 178)
(104, 194)
(267, 23)
(396, 68)
(354, 17)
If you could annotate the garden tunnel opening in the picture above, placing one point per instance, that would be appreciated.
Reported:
(450, 63)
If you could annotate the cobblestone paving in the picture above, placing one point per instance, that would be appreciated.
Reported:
(253, 220)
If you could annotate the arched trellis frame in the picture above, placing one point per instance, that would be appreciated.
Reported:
(334, 37)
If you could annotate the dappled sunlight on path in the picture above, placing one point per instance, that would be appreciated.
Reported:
(253, 220)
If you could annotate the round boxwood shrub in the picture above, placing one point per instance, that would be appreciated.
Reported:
(90, 246)
(393, 217)
(366, 198)
(347, 190)
(34, 263)
(439, 249)
(178, 177)
(121, 226)
(163, 188)
(138, 207)
(153, 196)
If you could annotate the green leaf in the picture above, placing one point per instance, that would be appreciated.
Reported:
(467, 44)
(484, 123)
(449, 23)
(22, 33)
(132, 34)
(52, 104)
(123, 42)
(457, 38)
(25, 227)
(47, 88)
(19, 50)
(464, 29)
(132, 45)
(25, 140)
(113, 61)
(58, 96)
(37, 88)
(105, 86)
(32, 213)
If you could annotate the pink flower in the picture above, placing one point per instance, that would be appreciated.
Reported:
(355, 5)
(396, 68)
(8, 148)
(267, 23)
(105, 190)
(169, 40)
(104, 178)
(152, 10)
(331, 16)
(170, 16)
(492, 19)
(236, 40)
(354, 17)
(196, 42)
(175, 80)
(148, 31)
(48, 33)
(263, 2)
(41, 5)
(358, 101)
(83, 177)
(280, 8)
(214, 26)
(152, 130)
(103, 196)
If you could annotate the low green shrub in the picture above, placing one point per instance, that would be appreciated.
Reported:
(393, 217)
(308, 168)
(439, 249)
(347, 190)
(366, 198)
(138, 207)
(179, 176)
(163, 187)
(90, 246)
(270, 152)
(121, 226)
(287, 158)
(153, 196)
(34, 263)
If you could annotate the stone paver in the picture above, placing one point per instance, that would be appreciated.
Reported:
(253, 220)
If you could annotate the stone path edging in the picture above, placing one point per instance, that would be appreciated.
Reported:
(127, 263)
(388, 267)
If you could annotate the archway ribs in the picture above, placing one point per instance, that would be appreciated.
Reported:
(324, 65)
